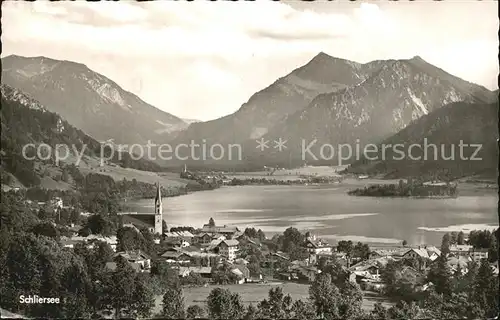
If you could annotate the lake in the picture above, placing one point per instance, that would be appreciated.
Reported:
(330, 213)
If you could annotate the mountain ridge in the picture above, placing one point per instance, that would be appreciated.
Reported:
(89, 100)
(396, 93)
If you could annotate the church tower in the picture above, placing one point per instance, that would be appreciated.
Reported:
(158, 212)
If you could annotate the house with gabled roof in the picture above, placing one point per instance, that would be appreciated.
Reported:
(318, 246)
(225, 230)
(226, 248)
(138, 257)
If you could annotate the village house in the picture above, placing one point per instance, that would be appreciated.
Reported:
(431, 253)
(111, 266)
(189, 256)
(206, 238)
(175, 255)
(372, 266)
(304, 272)
(227, 231)
(462, 262)
(205, 272)
(176, 243)
(57, 203)
(179, 235)
(89, 241)
(241, 272)
(393, 252)
(275, 260)
(318, 246)
(135, 257)
(478, 254)
(475, 254)
(202, 238)
(460, 250)
(226, 248)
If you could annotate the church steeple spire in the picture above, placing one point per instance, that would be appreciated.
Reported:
(158, 211)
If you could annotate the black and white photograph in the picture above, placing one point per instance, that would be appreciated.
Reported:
(262, 159)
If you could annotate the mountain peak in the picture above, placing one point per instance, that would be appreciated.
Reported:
(323, 55)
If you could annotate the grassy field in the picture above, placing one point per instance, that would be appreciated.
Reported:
(254, 293)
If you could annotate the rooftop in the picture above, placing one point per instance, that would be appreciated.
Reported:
(133, 255)
(185, 234)
(219, 229)
(139, 220)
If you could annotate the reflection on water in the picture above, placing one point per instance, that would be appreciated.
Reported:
(329, 212)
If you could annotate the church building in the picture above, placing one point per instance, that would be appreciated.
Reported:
(152, 221)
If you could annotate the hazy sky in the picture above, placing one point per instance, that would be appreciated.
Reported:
(202, 60)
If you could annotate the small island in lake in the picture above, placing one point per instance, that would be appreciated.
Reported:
(408, 189)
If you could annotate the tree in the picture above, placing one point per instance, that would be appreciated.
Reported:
(211, 222)
(403, 310)
(253, 265)
(99, 224)
(251, 312)
(276, 306)
(460, 238)
(143, 301)
(338, 274)
(351, 299)
(166, 275)
(379, 311)
(173, 302)
(297, 252)
(456, 306)
(292, 238)
(346, 247)
(223, 275)
(405, 243)
(46, 229)
(445, 245)
(400, 281)
(453, 237)
(65, 175)
(325, 297)
(361, 251)
(119, 292)
(195, 312)
(129, 239)
(440, 276)
(485, 290)
(261, 235)
(493, 249)
(303, 310)
(222, 304)
(250, 232)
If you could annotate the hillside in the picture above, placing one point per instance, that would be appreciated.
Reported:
(25, 121)
(471, 123)
(89, 100)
